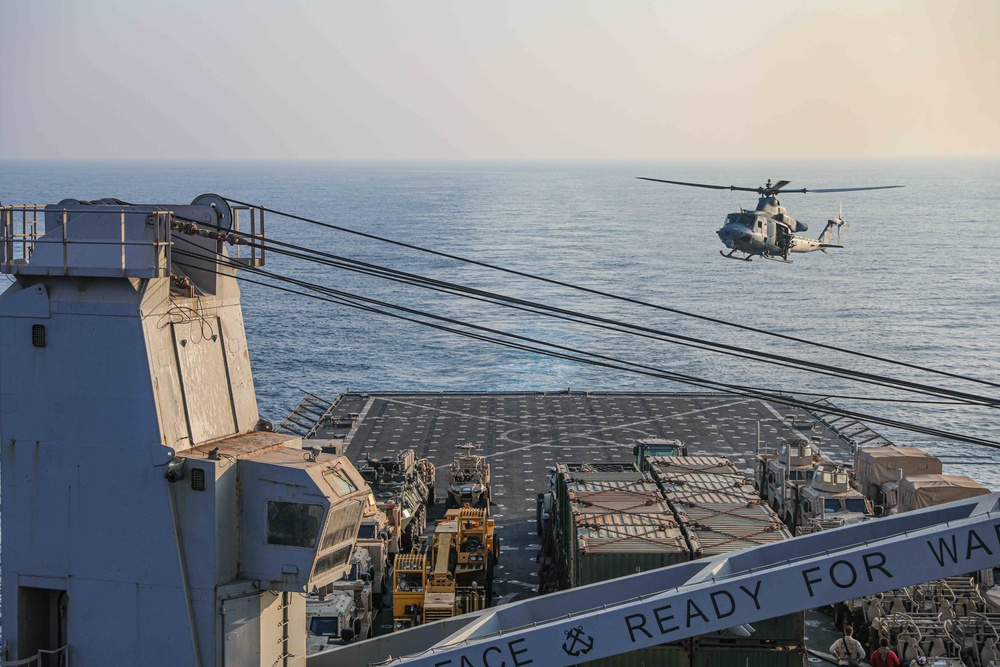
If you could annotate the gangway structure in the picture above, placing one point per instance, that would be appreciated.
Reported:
(698, 597)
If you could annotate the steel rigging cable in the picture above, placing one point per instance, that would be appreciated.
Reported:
(366, 268)
(616, 297)
(569, 353)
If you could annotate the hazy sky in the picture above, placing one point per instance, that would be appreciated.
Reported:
(617, 79)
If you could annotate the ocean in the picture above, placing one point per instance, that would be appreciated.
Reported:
(916, 281)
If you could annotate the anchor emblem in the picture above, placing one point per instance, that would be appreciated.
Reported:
(577, 642)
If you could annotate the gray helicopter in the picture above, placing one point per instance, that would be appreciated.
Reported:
(768, 231)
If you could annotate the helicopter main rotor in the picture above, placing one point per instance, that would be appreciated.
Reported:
(768, 190)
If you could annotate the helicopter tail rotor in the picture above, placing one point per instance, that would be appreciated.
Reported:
(839, 221)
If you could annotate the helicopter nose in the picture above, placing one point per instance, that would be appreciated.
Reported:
(730, 233)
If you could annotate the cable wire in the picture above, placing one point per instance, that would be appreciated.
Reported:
(573, 354)
(616, 297)
(320, 257)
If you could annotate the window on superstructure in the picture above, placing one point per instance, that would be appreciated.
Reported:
(340, 482)
(336, 558)
(293, 524)
(342, 526)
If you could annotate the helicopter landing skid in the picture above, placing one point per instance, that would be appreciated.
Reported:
(730, 256)
(777, 259)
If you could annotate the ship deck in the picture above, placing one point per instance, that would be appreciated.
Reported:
(523, 434)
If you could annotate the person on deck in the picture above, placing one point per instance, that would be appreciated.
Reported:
(848, 650)
(884, 656)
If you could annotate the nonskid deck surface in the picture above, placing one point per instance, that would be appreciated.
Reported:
(522, 434)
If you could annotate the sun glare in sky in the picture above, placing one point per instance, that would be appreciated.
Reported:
(561, 79)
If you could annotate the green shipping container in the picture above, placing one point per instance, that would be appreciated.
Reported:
(779, 631)
(666, 655)
(779, 656)
(626, 546)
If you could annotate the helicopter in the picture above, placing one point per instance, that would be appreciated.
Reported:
(768, 231)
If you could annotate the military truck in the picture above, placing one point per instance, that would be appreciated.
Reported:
(469, 479)
(342, 611)
(880, 469)
(452, 576)
(403, 486)
(649, 447)
(374, 535)
(920, 491)
(827, 501)
(791, 465)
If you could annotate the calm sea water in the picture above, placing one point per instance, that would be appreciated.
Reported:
(917, 280)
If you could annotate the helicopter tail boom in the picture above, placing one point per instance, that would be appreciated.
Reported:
(824, 238)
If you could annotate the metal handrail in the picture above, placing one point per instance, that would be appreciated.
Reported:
(28, 236)
(64, 650)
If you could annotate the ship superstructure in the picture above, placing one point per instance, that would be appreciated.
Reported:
(150, 517)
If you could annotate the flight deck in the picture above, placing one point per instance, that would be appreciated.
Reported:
(522, 435)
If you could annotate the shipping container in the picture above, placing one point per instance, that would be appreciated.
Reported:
(692, 487)
(614, 545)
(620, 497)
(691, 464)
(785, 630)
(723, 528)
(720, 511)
(620, 472)
(617, 521)
(666, 655)
(743, 656)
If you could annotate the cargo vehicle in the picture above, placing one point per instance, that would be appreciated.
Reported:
(331, 620)
(469, 479)
(409, 575)
(947, 621)
(880, 469)
(452, 576)
(342, 611)
(827, 501)
(793, 462)
(648, 447)
(403, 486)
(460, 568)
(374, 536)
(920, 491)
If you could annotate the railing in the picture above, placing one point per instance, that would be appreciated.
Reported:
(20, 237)
(20, 241)
(256, 248)
(43, 658)
(76, 249)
